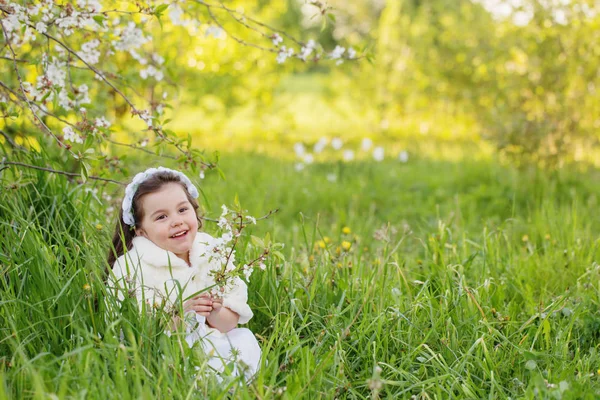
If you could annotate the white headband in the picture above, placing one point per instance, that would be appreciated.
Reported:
(141, 177)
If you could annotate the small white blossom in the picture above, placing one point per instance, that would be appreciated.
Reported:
(337, 54)
(251, 219)
(276, 39)
(41, 27)
(284, 54)
(147, 118)
(299, 166)
(89, 53)
(337, 143)
(299, 149)
(102, 122)
(71, 135)
(320, 145)
(348, 155)
(366, 144)
(351, 53)
(331, 177)
(215, 32)
(378, 153)
(309, 158)
(306, 51)
(403, 156)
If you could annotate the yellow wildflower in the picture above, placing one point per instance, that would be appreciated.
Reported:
(346, 245)
(311, 258)
(327, 240)
(99, 227)
(525, 238)
(547, 237)
(87, 287)
(321, 244)
(346, 230)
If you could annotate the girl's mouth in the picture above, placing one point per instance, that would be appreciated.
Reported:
(179, 235)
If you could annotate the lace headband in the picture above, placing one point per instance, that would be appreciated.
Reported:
(141, 177)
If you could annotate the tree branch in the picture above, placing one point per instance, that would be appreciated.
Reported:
(71, 174)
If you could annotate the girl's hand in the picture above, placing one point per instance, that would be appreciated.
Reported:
(201, 304)
(217, 303)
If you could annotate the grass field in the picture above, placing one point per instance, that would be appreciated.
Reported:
(457, 280)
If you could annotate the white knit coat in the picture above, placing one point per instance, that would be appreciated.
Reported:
(163, 276)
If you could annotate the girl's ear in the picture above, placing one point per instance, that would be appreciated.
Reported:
(140, 232)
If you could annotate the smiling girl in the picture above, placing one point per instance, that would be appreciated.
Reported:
(162, 258)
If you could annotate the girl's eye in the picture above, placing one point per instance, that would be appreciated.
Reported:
(161, 217)
(183, 209)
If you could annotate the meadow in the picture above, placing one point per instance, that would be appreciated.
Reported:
(425, 279)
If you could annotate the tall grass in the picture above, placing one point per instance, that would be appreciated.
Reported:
(466, 280)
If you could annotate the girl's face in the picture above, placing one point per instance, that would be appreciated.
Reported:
(169, 220)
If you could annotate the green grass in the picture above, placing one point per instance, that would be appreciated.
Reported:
(466, 280)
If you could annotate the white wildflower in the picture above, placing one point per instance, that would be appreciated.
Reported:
(251, 219)
(378, 153)
(366, 144)
(337, 143)
(147, 118)
(351, 53)
(309, 158)
(403, 156)
(101, 122)
(299, 166)
(348, 155)
(320, 145)
(299, 149)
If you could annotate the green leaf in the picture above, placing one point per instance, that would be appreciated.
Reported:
(158, 10)
(267, 239)
(85, 172)
(99, 19)
(331, 17)
(278, 254)
(258, 242)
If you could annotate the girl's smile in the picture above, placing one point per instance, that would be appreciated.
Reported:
(169, 220)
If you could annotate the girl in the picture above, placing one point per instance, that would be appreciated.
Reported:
(161, 258)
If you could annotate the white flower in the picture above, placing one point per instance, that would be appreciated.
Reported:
(131, 38)
(102, 122)
(299, 149)
(283, 54)
(299, 166)
(332, 177)
(337, 53)
(320, 145)
(378, 153)
(337, 143)
(251, 219)
(348, 155)
(309, 158)
(225, 210)
(201, 175)
(56, 72)
(306, 51)
(41, 27)
(276, 39)
(403, 156)
(71, 136)
(64, 101)
(147, 118)
(215, 32)
(366, 144)
(262, 266)
(89, 53)
(351, 53)
(175, 13)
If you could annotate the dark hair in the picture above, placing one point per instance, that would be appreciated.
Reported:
(124, 234)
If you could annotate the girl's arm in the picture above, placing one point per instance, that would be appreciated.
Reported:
(222, 318)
